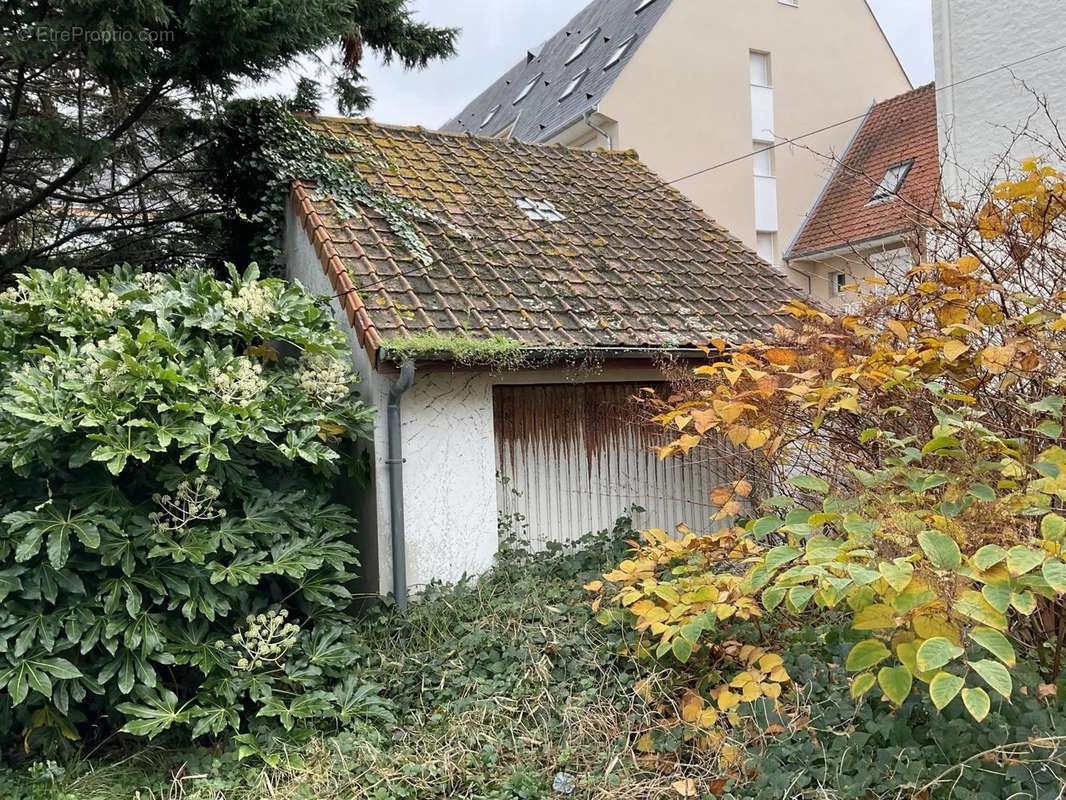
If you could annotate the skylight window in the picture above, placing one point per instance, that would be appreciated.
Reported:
(643, 4)
(616, 56)
(527, 89)
(489, 116)
(574, 83)
(582, 46)
(892, 182)
(539, 210)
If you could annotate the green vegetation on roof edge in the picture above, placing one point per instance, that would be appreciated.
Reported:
(490, 351)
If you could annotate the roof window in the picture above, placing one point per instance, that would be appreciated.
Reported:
(582, 46)
(616, 56)
(527, 88)
(643, 4)
(539, 210)
(489, 116)
(892, 182)
(572, 86)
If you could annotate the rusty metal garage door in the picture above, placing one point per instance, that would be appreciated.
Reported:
(572, 458)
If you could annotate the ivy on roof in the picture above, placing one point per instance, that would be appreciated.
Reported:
(264, 148)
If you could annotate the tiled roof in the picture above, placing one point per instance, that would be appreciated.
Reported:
(894, 131)
(541, 113)
(632, 264)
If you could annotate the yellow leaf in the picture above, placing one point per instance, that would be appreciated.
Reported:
(897, 328)
(953, 348)
(757, 438)
(593, 586)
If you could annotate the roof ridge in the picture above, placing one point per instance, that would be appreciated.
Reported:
(368, 122)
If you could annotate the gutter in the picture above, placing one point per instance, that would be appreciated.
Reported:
(588, 121)
(395, 464)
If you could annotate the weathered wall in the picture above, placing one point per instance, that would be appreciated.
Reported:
(684, 101)
(978, 118)
(449, 476)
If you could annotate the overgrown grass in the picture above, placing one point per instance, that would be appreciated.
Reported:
(491, 690)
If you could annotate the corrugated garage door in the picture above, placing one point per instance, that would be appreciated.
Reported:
(573, 457)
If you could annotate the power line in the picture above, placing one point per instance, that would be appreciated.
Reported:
(719, 165)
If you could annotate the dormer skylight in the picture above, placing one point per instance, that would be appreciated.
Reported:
(489, 116)
(616, 56)
(574, 83)
(582, 46)
(890, 185)
(539, 210)
(527, 89)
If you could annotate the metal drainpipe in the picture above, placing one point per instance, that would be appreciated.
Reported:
(395, 462)
(600, 131)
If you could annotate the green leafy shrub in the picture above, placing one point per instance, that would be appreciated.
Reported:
(169, 551)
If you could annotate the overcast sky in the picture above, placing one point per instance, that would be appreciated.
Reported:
(496, 33)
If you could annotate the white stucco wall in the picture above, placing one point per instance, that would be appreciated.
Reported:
(449, 478)
(978, 118)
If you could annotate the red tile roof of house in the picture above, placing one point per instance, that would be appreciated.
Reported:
(894, 131)
(628, 263)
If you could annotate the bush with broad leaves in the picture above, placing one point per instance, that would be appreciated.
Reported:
(170, 552)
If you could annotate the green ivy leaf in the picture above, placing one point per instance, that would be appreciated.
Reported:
(940, 549)
(988, 556)
(862, 684)
(1022, 559)
(866, 654)
(895, 682)
(1054, 573)
(976, 702)
(935, 653)
(943, 688)
(809, 483)
(995, 643)
(995, 675)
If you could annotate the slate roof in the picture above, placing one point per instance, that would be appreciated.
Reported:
(632, 264)
(897, 130)
(541, 113)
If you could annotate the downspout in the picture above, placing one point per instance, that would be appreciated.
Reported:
(395, 462)
(588, 121)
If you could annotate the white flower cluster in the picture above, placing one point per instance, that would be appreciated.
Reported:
(239, 383)
(327, 380)
(15, 295)
(192, 502)
(266, 640)
(100, 304)
(151, 282)
(89, 364)
(253, 299)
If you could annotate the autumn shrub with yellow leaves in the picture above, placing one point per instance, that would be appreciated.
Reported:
(910, 460)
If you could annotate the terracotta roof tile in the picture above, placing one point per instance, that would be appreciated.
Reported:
(633, 264)
(894, 131)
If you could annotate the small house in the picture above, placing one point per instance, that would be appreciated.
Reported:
(502, 331)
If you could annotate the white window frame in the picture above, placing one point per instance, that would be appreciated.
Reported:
(491, 115)
(892, 182)
(618, 54)
(582, 46)
(771, 237)
(522, 95)
(837, 282)
(764, 56)
(574, 83)
(539, 210)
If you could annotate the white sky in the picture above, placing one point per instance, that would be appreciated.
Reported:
(496, 33)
